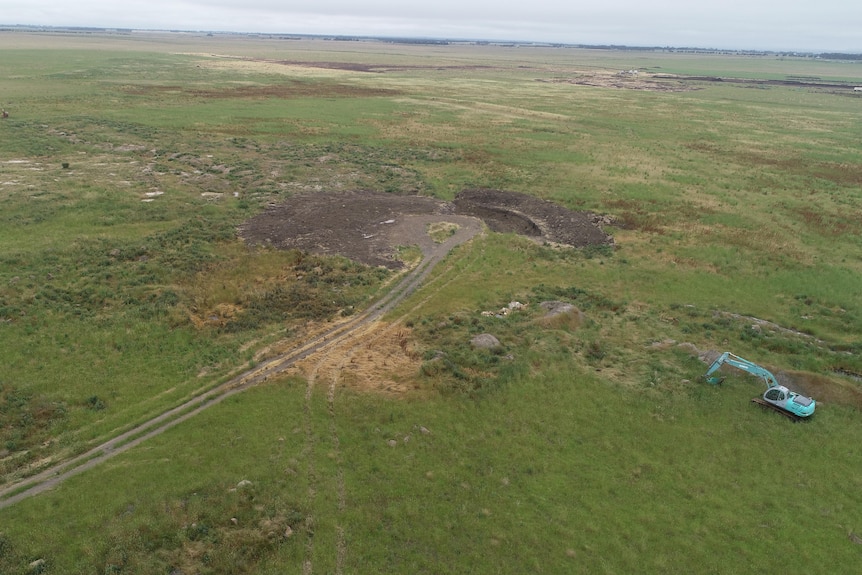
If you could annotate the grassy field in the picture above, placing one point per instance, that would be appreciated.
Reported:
(583, 446)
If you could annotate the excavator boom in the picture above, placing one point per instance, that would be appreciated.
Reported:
(744, 365)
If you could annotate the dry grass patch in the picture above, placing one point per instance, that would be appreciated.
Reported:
(442, 231)
(244, 66)
(385, 359)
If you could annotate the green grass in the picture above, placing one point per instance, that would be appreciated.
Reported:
(581, 446)
(523, 480)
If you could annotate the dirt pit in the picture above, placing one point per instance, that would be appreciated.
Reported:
(367, 227)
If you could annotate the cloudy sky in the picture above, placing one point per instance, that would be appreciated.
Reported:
(803, 25)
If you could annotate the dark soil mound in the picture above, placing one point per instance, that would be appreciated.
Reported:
(368, 226)
(354, 224)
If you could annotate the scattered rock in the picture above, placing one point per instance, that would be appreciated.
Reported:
(485, 341)
(37, 566)
(392, 443)
(288, 532)
(505, 311)
(244, 483)
(424, 430)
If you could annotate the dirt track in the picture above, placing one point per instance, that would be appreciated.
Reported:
(329, 339)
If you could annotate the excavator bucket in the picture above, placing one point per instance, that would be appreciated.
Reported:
(714, 380)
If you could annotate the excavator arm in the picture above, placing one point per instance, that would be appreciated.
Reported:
(742, 364)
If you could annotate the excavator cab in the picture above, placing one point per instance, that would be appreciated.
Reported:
(783, 398)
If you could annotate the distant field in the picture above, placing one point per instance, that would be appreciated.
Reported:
(583, 445)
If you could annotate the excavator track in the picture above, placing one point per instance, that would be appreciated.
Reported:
(763, 403)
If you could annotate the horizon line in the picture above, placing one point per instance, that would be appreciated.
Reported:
(419, 39)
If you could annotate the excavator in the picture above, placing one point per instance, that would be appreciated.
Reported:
(777, 397)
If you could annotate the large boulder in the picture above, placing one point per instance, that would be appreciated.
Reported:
(555, 308)
(485, 341)
(560, 314)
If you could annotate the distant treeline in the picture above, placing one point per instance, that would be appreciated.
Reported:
(416, 41)
(444, 42)
(840, 56)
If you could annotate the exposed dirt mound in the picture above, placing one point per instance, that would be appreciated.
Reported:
(368, 227)
(511, 212)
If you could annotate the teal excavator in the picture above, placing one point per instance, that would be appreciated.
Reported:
(777, 397)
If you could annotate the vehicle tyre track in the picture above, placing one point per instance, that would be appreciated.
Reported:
(362, 337)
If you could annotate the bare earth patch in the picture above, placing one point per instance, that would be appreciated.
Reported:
(368, 227)
(650, 82)
(626, 81)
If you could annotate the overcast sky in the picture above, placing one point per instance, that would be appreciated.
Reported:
(802, 25)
